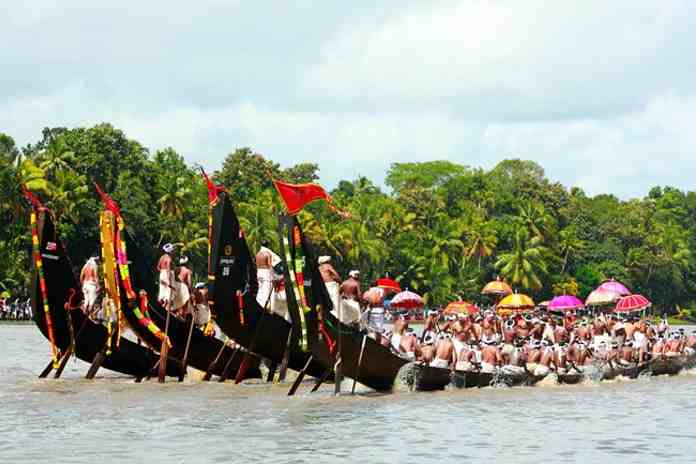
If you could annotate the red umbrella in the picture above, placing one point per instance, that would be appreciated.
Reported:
(406, 300)
(389, 284)
(631, 303)
(461, 307)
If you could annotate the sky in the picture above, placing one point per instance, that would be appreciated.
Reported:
(601, 94)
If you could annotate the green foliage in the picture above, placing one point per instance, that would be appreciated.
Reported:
(443, 229)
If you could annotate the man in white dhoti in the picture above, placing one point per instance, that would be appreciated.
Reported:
(266, 259)
(331, 280)
(185, 281)
(89, 278)
(350, 298)
(166, 277)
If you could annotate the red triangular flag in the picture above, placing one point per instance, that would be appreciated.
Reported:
(213, 190)
(109, 202)
(297, 196)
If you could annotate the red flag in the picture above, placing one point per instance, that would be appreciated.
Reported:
(109, 203)
(213, 190)
(297, 196)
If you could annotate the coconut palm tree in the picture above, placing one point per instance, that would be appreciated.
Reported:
(524, 265)
(569, 244)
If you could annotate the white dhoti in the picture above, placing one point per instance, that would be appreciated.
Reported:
(487, 367)
(165, 292)
(441, 363)
(279, 304)
(202, 314)
(90, 292)
(464, 366)
(349, 311)
(332, 289)
(376, 319)
(265, 278)
(181, 296)
(541, 370)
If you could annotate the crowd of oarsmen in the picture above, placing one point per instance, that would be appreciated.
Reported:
(538, 343)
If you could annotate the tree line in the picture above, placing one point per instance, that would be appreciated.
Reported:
(442, 229)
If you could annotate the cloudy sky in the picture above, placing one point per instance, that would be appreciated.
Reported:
(601, 94)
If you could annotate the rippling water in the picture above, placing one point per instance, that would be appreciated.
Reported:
(112, 419)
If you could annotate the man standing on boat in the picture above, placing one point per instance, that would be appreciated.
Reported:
(184, 277)
(89, 279)
(166, 277)
(350, 298)
(265, 261)
(331, 279)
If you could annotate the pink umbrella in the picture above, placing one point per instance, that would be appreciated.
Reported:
(632, 303)
(615, 286)
(406, 300)
(565, 303)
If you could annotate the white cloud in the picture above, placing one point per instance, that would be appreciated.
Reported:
(600, 94)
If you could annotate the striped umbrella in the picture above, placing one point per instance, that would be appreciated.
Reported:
(461, 307)
(602, 297)
(496, 287)
(407, 300)
(631, 303)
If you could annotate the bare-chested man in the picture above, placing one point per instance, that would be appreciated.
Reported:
(89, 278)
(490, 358)
(184, 277)
(627, 353)
(265, 275)
(444, 352)
(546, 359)
(509, 336)
(350, 298)
(331, 279)
(674, 345)
(166, 277)
(522, 328)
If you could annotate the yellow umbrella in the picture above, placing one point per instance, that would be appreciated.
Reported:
(516, 302)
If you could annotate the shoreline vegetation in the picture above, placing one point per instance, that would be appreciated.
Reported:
(441, 228)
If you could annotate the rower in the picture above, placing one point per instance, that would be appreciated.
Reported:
(673, 347)
(627, 353)
(89, 278)
(331, 279)
(444, 351)
(490, 356)
(166, 277)
(201, 311)
(509, 336)
(265, 260)
(546, 359)
(185, 277)
(349, 292)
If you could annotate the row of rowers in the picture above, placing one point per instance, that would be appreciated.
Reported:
(346, 295)
(538, 344)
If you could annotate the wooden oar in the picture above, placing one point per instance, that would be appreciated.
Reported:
(184, 361)
(226, 370)
(63, 362)
(162, 372)
(357, 367)
(321, 380)
(47, 370)
(96, 363)
(286, 358)
(300, 376)
(213, 365)
(241, 372)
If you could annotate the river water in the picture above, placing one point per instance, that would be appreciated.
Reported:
(113, 419)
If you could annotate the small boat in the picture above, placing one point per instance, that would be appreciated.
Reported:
(72, 331)
(148, 319)
(232, 290)
(359, 356)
